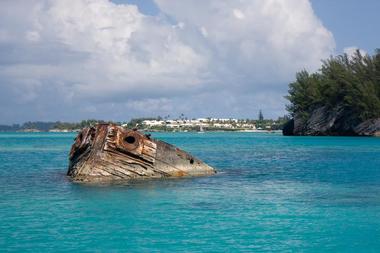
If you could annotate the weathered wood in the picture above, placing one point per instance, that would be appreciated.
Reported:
(110, 152)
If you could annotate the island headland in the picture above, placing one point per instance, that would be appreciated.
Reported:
(342, 99)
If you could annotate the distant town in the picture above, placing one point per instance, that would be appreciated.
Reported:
(206, 124)
(181, 124)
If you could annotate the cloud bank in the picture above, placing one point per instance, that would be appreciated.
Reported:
(74, 59)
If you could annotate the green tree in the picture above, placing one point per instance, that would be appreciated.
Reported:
(350, 82)
(261, 116)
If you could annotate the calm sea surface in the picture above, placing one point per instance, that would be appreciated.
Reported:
(272, 193)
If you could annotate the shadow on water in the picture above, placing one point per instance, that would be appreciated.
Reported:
(159, 183)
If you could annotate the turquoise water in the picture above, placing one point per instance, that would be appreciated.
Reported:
(272, 193)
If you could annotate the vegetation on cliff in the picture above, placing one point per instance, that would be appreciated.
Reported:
(350, 82)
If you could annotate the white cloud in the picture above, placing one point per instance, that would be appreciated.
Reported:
(351, 51)
(92, 53)
(204, 31)
(238, 14)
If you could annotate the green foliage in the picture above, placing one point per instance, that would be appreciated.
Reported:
(351, 82)
(261, 116)
(75, 126)
(58, 125)
(10, 128)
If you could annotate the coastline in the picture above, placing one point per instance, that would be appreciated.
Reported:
(152, 131)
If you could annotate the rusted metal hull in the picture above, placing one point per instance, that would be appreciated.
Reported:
(109, 152)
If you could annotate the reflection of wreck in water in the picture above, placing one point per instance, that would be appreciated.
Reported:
(110, 152)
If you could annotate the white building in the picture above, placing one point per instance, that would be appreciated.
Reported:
(200, 122)
(151, 123)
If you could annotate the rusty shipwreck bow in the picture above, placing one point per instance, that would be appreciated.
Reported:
(110, 152)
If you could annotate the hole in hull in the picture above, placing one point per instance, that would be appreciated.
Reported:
(130, 139)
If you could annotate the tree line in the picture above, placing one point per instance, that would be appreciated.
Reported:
(351, 82)
(46, 126)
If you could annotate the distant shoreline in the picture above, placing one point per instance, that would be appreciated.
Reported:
(151, 131)
(156, 125)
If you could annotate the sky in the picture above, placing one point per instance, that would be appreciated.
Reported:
(70, 60)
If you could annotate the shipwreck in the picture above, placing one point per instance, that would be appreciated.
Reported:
(110, 152)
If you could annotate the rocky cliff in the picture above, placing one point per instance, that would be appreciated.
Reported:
(337, 122)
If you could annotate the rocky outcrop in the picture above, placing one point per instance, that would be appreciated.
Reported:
(337, 122)
(369, 128)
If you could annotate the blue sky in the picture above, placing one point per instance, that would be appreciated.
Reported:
(353, 22)
(81, 59)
